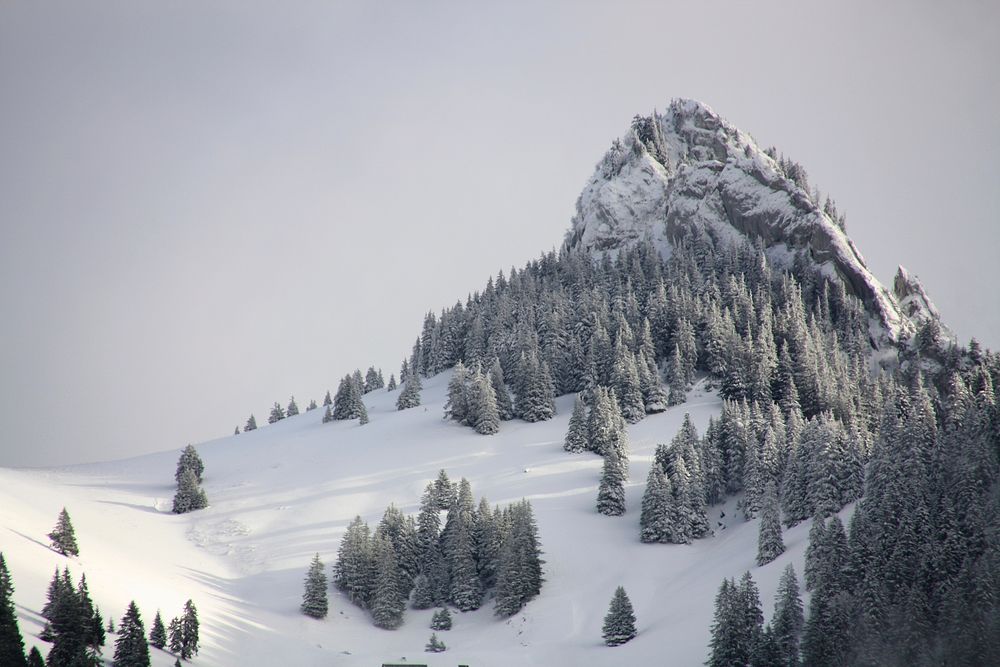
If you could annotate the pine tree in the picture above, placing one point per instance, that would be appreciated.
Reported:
(66, 628)
(658, 518)
(441, 620)
(576, 436)
(611, 494)
(189, 631)
(158, 633)
(251, 424)
(409, 397)
(176, 635)
(312, 405)
(189, 496)
(457, 405)
(277, 414)
(392, 382)
(293, 408)
(519, 573)
(435, 645)
(677, 381)
(483, 405)
(625, 380)
(619, 623)
(11, 642)
(35, 658)
(388, 603)
(354, 571)
(327, 400)
(131, 648)
(423, 593)
(769, 542)
(314, 602)
(347, 404)
(505, 407)
(63, 537)
(111, 625)
(788, 619)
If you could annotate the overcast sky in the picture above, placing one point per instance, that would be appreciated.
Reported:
(206, 207)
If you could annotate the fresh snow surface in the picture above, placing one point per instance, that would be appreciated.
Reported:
(286, 491)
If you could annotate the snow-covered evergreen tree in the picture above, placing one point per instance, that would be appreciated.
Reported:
(131, 647)
(63, 536)
(176, 635)
(619, 623)
(392, 382)
(435, 645)
(11, 642)
(251, 424)
(505, 407)
(409, 397)
(189, 496)
(190, 638)
(519, 575)
(277, 414)
(625, 379)
(788, 619)
(769, 542)
(441, 619)
(611, 492)
(576, 436)
(292, 409)
(312, 405)
(314, 602)
(158, 632)
(457, 405)
(388, 602)
(327, 400)
(483, 405)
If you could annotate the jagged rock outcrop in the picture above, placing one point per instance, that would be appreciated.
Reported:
(688, 173)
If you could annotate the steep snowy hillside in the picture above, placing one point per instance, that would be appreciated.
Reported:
(286, 491)
(690, 174)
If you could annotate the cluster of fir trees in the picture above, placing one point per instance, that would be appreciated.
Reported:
(739, 636)
(72, 623)
(478, 399)
(479, 549)
(189, 496)
(347, 403)
(915, 578)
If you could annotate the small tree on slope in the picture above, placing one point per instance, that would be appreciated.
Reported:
(619, 623)
(314, 602)
(769, 542)
(62, 536)
(158, 633)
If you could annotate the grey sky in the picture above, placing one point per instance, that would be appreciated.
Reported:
(208, 207)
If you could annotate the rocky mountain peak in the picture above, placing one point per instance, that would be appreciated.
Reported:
(689, 174)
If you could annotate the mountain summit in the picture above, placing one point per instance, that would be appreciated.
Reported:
(688, 175)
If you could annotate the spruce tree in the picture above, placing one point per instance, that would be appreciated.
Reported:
(158, 633)
(327, 415)
(66, 626)
(619, 623)
(576, 436)
(483, 405)
(457, 405)
(189, 460)
(189, 496)
(176, 635)
(293, 408)
(505, 407)
(251, 424)
(131, 648)
(441, 620)
(423, 593)
(388, 603)
(677, 381)
(314, 602)
(392, 382)
(409, 397)
(35, 658)
(63, 537)
(657, 521)
(11, 642)
(611, 493)
(312, 405)
(277, 414)
(435, 645)
(327, 400)
(625, 380)
(788, 619)
(189, 631)
(769, 542)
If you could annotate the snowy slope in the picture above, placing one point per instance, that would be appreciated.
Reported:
(285, 491)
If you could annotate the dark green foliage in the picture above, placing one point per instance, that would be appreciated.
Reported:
(435, 645)
(576, 436)
(314, 602)
(519, 575)
(176, 635)
(788, 619)
(738, 624)
(35, 658)
(769, 542)
(131, 648)
(189, 631)
(441, 620)
(388, 602)
(189, 497)
(619, 623)
(409, 397)
(11, 642)
(158, 633)
(63, 537)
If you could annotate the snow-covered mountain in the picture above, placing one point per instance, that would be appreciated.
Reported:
(689, 174)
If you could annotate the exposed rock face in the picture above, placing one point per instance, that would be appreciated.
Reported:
(914, 302)
(689, 173)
